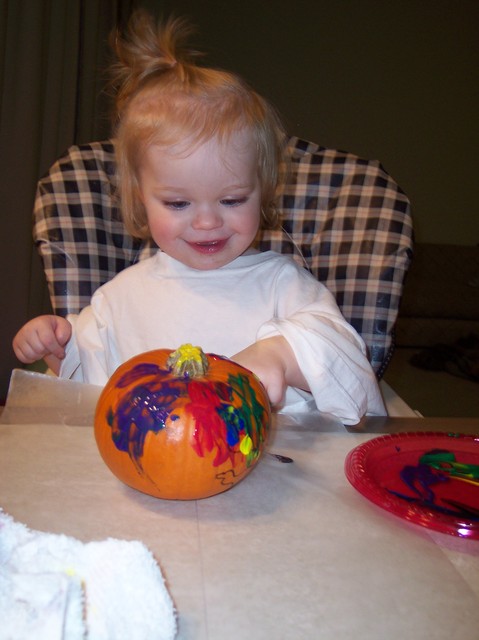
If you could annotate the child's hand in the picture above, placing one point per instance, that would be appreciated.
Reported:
(273, 361)
(43, 337)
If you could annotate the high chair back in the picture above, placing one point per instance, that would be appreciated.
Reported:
(344, 219)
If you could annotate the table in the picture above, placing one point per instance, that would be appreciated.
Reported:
(293, 551)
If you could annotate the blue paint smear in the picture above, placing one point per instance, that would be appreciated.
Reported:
(142, 408)
(140, 371)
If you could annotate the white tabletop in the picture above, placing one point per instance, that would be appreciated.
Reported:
(293, 551)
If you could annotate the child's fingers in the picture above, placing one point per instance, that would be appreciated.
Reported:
(48, 342)
(42, 337)
(63, 331)
(275, 388)
(30, 346)
(23, 352)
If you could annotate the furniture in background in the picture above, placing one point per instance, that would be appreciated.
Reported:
(441, 296)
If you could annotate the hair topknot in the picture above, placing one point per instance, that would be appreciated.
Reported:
(164, 98)
(145, 50)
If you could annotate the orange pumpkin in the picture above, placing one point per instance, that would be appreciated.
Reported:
(181, 424)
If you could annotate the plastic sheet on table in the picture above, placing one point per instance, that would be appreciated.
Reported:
(45, 399)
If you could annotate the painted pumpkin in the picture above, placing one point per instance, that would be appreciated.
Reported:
(181, 424)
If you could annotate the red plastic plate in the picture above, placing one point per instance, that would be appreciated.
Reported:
(430, 479)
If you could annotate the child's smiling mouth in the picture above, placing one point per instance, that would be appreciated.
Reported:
(209, 246)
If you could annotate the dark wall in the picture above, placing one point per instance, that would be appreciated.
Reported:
(395, 80)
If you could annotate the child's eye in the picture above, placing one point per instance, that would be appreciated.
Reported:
(176, 204)
(233, 202)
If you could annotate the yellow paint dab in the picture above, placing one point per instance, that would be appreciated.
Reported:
(246, 445)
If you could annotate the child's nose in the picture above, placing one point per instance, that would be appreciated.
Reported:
(207, 217)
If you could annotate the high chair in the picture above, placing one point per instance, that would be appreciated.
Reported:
(343, 218)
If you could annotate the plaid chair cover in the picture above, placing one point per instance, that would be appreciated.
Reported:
(344, 219)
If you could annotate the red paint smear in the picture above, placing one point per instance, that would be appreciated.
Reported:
(210, 429)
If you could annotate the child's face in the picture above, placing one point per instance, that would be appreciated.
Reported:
(203, 207)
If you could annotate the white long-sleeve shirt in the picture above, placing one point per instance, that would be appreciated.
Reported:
(161, 303)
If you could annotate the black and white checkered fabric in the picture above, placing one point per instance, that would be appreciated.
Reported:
(344, 219)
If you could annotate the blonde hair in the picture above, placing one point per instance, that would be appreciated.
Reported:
(163, 97)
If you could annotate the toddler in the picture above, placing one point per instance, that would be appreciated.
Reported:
(198, 159)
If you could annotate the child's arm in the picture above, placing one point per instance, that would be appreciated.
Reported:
(43, 337)
(274, 362)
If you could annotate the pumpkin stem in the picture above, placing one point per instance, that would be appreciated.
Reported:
(188, 362)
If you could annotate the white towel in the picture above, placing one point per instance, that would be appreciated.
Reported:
(56, 587)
